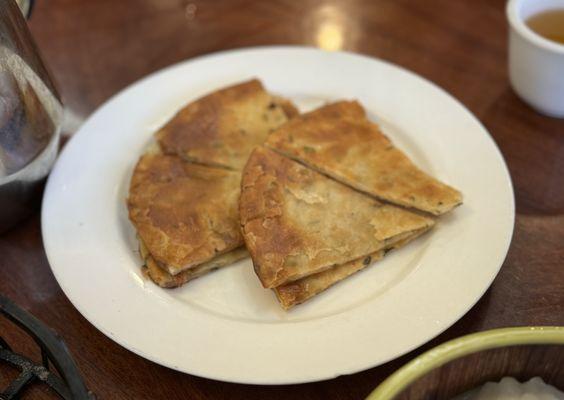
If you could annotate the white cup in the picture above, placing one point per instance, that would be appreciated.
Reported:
(536, 64)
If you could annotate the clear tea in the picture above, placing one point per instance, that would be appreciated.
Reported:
(549, 24)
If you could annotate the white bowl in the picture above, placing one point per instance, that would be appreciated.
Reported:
(536, 64)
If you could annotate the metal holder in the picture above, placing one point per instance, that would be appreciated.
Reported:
(68, 383)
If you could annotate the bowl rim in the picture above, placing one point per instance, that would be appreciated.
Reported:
(512, 10)
(463, 346)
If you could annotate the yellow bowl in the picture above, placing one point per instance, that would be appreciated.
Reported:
(462, 364)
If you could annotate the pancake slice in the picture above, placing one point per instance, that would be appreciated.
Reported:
(222, 128)
(297, 222)
(339, 141)
(297, 292)
(185, 214)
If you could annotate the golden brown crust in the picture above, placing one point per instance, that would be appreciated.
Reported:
(294, 293)
(338, 140)
(186, 214)
(297, 222)
(162, 278)
(222, 128)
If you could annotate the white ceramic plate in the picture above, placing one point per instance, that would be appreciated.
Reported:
(225, 326)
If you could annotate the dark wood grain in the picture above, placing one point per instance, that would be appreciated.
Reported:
(96, 48)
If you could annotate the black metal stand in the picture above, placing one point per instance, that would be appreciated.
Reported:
(69, 385)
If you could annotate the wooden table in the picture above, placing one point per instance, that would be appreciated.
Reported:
(96, 48)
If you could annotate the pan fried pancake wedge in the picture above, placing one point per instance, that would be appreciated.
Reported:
(339, 141)
(162, 278)
(294, 293)
(297, 222)
(186, 214)
(222, 128)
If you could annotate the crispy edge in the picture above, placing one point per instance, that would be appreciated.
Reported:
(165, 280)
(287, 106)
(297, 292)
(257, 202)
(161, 277)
